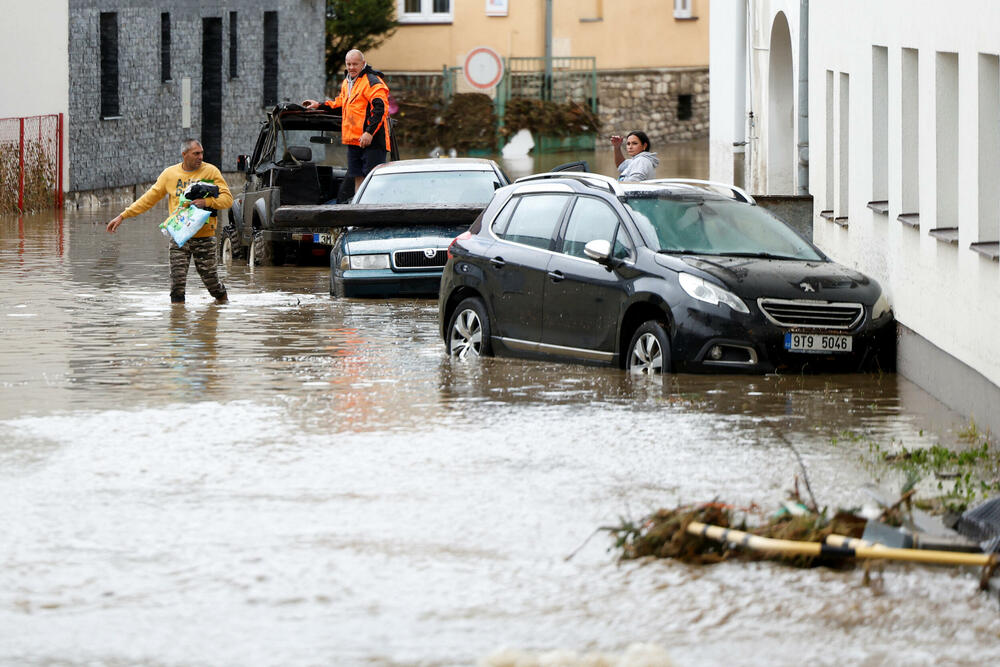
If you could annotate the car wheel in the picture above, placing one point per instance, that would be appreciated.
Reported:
(226, 250)
(469, 330)
(336, 286)
(649, 351)
(264, 253)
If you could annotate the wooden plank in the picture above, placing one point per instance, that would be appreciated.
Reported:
(375, 215)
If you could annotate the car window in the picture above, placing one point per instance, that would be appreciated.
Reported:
(430, 187)
(716, 227)
(534, 220)
(317, 141)
(591, 219)
(500, 222)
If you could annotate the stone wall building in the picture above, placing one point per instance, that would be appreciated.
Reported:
(668, 104)
(144, 74)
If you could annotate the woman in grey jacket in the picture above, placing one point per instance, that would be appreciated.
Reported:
(640, 164)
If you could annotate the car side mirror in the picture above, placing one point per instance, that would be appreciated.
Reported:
(599, 250)
(242, 162)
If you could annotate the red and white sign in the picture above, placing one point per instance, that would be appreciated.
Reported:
(483, 67)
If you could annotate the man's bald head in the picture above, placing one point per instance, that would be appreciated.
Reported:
(355, 62)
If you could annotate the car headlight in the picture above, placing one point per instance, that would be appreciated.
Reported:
(369, 261)
(709, 293)
(881, 306)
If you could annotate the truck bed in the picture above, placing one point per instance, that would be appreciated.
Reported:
(374, 215)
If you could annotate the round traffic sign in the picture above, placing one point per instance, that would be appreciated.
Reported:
(483, 67)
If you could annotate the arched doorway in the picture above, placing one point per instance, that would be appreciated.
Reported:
(780, 111)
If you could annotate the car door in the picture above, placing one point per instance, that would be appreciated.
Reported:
(517, 262)
(583, 299)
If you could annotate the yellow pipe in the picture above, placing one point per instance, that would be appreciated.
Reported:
(857, 548)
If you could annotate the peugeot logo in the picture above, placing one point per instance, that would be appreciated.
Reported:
(806, 287)
(430, 252)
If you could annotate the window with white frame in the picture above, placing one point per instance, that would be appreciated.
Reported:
(682, 9)
(424, 11)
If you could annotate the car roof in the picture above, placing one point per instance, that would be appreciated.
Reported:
(438, 164)
(680, 187)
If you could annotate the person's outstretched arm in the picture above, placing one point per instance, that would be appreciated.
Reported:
(616, 143)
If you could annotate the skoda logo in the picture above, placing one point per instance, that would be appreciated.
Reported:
(806, 287)
(430, 252)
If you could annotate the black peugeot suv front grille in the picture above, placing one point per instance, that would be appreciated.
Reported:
(805, 314)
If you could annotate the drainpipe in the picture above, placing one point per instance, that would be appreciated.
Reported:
(547, 84)
(803, 146)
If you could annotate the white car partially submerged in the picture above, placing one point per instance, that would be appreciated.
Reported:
(394, 235)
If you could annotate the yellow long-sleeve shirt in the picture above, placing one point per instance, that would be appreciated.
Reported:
(173, 181)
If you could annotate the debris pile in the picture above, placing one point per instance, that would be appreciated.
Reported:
(560, 119)
(468, 122)
(418, 121)
(665, 534)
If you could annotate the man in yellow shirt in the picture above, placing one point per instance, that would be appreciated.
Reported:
(201, 247)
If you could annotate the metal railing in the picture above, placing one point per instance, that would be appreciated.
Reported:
(31, 163)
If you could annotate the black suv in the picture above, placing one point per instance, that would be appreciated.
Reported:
(654, 277)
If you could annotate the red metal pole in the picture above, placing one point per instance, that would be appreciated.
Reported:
(59, 161)
(20, 171)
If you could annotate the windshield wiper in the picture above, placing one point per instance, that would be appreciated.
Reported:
(751, 255)
(759, 255)
(681, 251)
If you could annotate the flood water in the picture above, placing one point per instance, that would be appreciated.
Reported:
(294, 479)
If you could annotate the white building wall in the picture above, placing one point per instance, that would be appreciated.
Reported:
(739, 64)
(727, 90)
(34, 67)
(943, 291)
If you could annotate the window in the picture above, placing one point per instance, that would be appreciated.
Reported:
(682, 9)
(424, 11)
(165, 47)
(270, 58)
(989, 147)
(684, 107)
(946, 120)
(844, 152)
(828, 202)
(109, 65)
(234, 70)
(432, 187)
(534, 220)
(880, 125)
(590, 220)
(910, 132)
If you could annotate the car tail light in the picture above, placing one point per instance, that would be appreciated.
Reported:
(464, 236)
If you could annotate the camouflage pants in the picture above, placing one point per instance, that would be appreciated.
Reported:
(203, 252)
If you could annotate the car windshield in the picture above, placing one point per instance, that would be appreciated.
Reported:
(324, 146)
(430, 187)
(716, 227)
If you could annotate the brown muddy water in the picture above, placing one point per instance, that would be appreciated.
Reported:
(294, 479)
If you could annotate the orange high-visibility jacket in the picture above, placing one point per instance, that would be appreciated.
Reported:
(365, 107)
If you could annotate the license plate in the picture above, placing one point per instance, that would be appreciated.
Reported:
(808, 342)
(326, 239)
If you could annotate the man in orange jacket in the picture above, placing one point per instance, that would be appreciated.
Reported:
(364, 100)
